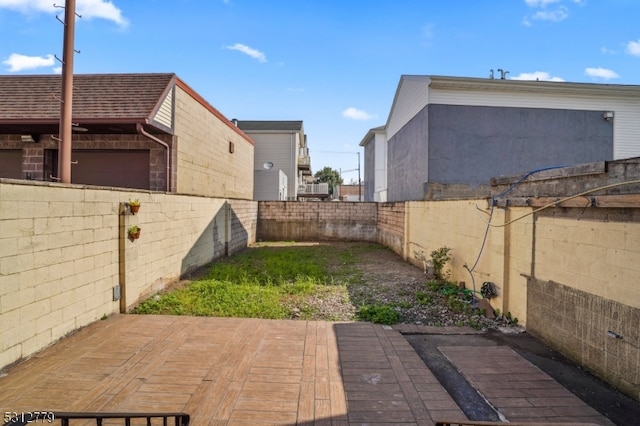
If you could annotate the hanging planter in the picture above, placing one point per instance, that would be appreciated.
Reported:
(134, 232)
(134, 206)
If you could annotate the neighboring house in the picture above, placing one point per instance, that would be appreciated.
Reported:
(146, 131)
(375, 160)
(461, 132)
(280, 149)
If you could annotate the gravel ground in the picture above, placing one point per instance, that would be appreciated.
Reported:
(382, 278)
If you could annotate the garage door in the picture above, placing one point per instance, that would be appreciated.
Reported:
(123, 169)
(11, 163)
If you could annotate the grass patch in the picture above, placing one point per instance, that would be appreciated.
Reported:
(261, 282)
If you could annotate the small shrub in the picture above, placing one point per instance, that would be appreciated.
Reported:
(439, 259)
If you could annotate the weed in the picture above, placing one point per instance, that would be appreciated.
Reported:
(424, 298)
(434, 285)
(439, 259)
(403, 305)
(475, 324)
(510, 319)
(379, 314)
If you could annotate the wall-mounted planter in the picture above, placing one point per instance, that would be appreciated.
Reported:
(134, 206)
(134, 232)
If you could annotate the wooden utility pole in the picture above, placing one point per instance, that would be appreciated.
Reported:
(64, 150)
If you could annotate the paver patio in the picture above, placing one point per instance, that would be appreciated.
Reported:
(232, 372)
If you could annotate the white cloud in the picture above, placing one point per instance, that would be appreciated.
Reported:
(104, 9)
(537, 75)
(633, 48)
(89, 9)
(18, 62)
(539, 3)
(357, 114)
(601, 73)
(607, 51)
(256, 54)
(556, 15)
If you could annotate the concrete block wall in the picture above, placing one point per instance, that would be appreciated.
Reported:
(461, 226)
(212, 158)
(243, 224)
(585, 285)
(63, 250)
(391, 226)
(313, 221)
(596, 332)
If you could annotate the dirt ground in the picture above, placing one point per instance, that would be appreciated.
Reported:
(381, 277)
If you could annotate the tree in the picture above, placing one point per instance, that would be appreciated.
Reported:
(330, 176)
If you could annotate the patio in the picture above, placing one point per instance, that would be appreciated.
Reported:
(232, 372)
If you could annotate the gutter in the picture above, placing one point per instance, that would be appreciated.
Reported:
(141, 131)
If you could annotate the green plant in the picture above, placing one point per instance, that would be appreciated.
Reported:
(439, 259)
(403, 305)
(510, 319)
(434, 285)
(134, 202)
(423, 298)
(476, 325)
(379, 314)
(133, 229)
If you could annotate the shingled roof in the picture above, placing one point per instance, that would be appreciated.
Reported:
(30, 103)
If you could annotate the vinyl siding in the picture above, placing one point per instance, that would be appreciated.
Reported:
(280, 149)
(165, 112)
(412, 96)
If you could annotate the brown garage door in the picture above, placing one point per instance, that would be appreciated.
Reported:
(124, 169)
(11, 163)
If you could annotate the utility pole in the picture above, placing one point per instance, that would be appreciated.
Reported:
(64, 144)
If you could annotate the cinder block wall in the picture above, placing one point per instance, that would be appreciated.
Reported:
(316, 221)
(212, 158)
(391, 226)
(461, 225)
(63, 250)
(584, 297)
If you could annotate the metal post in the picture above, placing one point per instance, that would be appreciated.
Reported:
(359, 181)
(64, 157)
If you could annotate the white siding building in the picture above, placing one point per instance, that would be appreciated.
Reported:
(281, 158)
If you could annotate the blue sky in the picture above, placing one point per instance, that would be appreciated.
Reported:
(334, 64)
